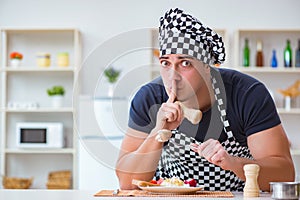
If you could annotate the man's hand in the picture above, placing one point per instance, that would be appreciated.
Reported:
(214, 152)
(170, 114)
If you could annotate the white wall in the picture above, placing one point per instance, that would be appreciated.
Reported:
(99, 20)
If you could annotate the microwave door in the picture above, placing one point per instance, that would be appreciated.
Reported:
(36, 136)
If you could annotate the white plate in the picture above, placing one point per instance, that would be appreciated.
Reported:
(172, 190)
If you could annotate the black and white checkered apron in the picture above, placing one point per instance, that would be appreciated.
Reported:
(178, 160)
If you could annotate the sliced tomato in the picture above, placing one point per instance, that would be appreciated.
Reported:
(191, 182)
(153, 181)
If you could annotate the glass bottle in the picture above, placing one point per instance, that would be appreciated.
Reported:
(259, 54)
(246, 58)
(287, 57)
(274, 59)
(298, 55)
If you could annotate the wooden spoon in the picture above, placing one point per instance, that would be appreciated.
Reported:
(192, 115)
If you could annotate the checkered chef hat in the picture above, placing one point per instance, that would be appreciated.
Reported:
(180, 33)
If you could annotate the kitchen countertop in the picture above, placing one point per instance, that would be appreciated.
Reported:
(32, 194)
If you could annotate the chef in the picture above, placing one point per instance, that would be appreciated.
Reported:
(239, 125)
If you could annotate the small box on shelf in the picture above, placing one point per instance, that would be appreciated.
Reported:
(59, 180)
(16, 182)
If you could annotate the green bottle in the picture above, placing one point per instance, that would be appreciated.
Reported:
(287, 57)
(246, 58)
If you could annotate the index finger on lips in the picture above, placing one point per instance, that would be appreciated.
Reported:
(172, 94)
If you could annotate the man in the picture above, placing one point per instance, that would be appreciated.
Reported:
(240, 124)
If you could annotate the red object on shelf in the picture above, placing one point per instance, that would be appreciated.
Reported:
(16, 55)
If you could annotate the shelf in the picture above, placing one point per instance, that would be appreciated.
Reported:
(292, 111)
(268, 31)
(37, 110)
(267, 69)
(272, 39)
(37, 29)
(40, 151)
(254, 69)
(295, 152)
(39, 69)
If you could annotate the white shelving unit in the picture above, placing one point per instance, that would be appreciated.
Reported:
(271, 39)
(28, 83)
(274, 78)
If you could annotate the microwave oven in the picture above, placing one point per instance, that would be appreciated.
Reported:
(39, 135)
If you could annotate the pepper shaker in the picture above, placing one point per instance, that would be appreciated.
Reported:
(251, 188)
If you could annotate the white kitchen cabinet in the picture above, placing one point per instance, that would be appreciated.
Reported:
(97, 159)
(24, 99)
(101, 135)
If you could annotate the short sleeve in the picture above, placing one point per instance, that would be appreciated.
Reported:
(145, 105)
(258, 109)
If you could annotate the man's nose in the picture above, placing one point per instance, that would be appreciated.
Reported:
(174, 74)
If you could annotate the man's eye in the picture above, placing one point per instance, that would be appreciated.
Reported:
(185, 63)
(164, 63)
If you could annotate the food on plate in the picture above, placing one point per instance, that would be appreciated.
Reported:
(175, 182)
(191, 182)
(153, 181)
(168, 182)
(143, 183)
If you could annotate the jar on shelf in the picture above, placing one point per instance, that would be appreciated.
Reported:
(63, 59)
(43, 60)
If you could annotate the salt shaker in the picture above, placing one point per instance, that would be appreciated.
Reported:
(251, 188)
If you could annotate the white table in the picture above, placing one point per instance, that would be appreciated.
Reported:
(32, 194)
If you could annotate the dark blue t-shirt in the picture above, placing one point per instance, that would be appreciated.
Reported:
(249, 108)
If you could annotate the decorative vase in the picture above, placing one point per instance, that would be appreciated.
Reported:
(110, 90)
(15, 62)
(57, 101)
(289, 102)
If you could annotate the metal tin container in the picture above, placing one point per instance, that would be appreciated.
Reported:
(285, 190)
